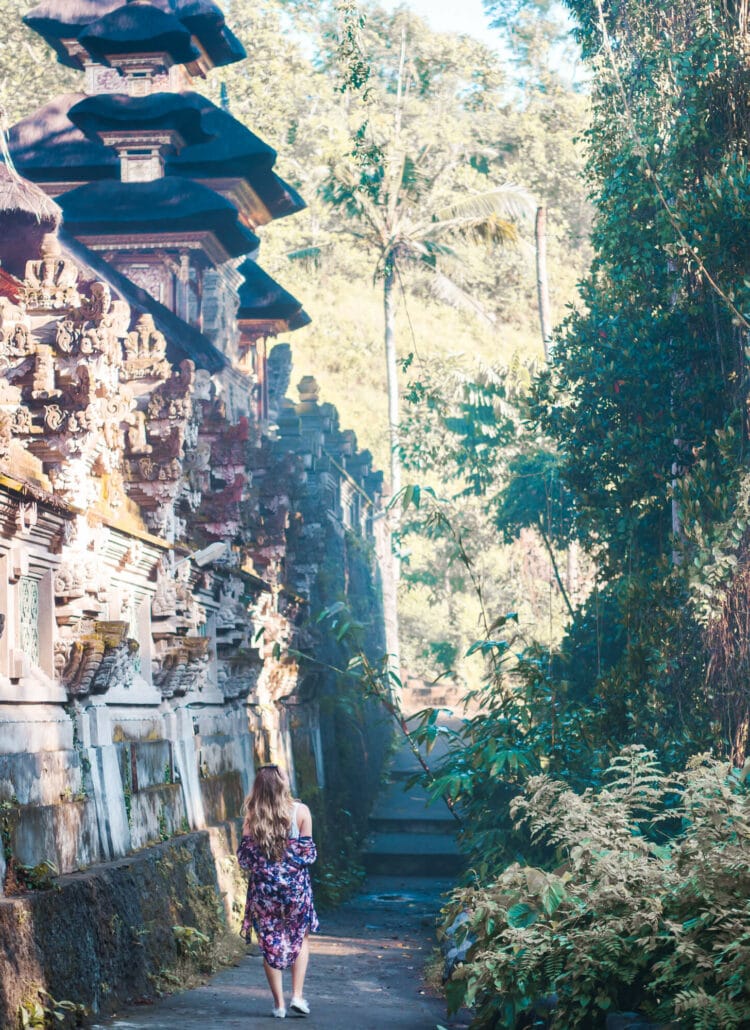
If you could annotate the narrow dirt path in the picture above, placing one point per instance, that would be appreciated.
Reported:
(365, 973)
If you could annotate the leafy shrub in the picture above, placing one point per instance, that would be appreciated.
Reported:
(648, 908)
(521, 724)
(191, 942)
(44, 1012)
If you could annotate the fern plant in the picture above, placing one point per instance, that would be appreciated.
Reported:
(647, 909)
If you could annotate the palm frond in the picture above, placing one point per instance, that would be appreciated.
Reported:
(506, 201)
(308, 256)
(449, 292)
(491, 217)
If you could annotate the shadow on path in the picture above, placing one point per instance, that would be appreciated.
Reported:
(366, 972)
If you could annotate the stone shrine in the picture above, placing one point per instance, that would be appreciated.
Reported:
(143, 419)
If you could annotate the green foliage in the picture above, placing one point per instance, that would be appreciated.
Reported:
(44, 1012)
(23, 54)
(491, 505)
(644, 401)
(8, 819)
(191, 943)
(646, 908)
(40, 877)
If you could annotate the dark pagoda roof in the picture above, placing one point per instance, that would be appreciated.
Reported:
(206, 21)
(108, 111)
(162, 206)
(279, 197)
(47, 147)
(183, 340)
(58, 20)
(263, 299)
(139, 28)
(233, 150)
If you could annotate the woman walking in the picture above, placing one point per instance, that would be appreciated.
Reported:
(276, 850)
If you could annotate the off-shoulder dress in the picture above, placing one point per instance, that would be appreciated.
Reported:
(279, 903)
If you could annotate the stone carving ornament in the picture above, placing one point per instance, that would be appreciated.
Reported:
(52, 281)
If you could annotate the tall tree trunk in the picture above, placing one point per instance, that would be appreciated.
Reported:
(542, 282)
(391, 369)
(573, 570)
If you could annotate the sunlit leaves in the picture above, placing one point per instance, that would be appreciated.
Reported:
(623, 921)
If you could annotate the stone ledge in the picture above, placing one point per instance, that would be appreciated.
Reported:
(100, 938)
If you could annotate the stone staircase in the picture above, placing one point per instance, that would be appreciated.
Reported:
(408, 835)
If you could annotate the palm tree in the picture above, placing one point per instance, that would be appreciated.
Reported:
(395, 205)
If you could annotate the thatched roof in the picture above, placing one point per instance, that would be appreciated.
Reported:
(139, 28)
(107, 111)
(27, 215)
(47, 147)
(263, 299)
(20, 197)
(162, 206)
(58, 20)
(232, 150)
(235, 151)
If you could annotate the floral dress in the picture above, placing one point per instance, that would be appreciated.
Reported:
(279, 899)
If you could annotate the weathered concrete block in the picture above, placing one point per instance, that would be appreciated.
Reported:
(153, 762)
(146, 763)
(64, 834)
(135, 725)
(32, 728)
(44, 778)
(222, 797)
(156, 812)
(109, 797)
(219, 754)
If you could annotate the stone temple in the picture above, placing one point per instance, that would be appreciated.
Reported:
(144, 418)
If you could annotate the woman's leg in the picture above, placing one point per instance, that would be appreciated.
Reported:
(299, 968)
(275, 983)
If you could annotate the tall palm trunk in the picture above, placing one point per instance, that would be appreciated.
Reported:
(542, 282)
(391, 371)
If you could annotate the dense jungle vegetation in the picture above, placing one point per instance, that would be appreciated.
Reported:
(471, 122)
(574, 531)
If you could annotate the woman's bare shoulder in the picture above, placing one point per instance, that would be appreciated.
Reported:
(304, 819)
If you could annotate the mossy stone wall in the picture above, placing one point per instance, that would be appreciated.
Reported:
(102, 939)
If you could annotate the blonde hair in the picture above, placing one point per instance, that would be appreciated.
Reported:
(268, 812)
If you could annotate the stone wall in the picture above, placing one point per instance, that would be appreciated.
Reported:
(104, 936)
(138, 689)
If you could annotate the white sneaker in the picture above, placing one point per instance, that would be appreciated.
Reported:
(300, 1007)
(279, 1013)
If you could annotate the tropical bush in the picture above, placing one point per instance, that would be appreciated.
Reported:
(647, 908)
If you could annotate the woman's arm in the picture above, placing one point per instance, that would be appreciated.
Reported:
(304, 821)
(247, 853)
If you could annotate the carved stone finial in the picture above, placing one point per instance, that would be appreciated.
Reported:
(50, 247)
(51, 281)
(308, 389)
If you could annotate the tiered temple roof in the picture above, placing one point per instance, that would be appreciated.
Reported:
(62, 22)
(147, 171)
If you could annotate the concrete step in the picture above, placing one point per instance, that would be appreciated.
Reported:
(403, 844)
(412, 854)
(417, 827)
(411, 836)
(413, 805)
